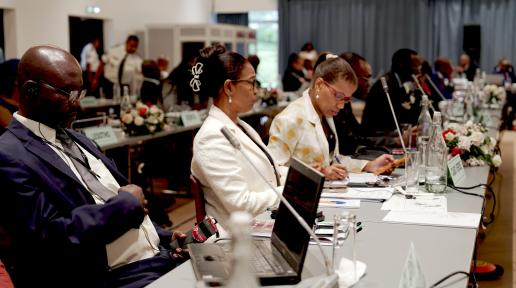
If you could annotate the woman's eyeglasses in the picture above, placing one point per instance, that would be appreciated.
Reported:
(252, 82)
(338, 95)
(74, 95)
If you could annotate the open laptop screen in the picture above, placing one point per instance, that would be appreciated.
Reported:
(302, 190)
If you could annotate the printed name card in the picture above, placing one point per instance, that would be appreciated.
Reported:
(102, 135)
(456, 169)
(190, 118)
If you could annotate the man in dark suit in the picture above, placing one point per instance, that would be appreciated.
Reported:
(377, 117)
(348, 128)
(75, 221)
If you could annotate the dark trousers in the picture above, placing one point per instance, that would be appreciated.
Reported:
(141, 273)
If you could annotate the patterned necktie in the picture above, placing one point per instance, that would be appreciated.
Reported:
(80, 162)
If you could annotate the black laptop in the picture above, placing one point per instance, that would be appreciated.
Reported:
(280, 260)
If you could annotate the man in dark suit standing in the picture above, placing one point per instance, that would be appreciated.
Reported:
(405, 97)
(74, 219)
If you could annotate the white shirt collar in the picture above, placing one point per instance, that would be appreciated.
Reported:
(41, 130)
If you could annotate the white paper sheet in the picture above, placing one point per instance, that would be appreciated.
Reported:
(437, 204)
(339, 203)
(358, 193)
(450, 219)
(359, 178)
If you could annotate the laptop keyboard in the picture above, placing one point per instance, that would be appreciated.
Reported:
(262, 264)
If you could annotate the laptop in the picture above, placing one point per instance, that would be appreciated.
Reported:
(279, 260)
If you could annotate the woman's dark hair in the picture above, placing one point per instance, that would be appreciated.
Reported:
(332, 69)
(218, 65)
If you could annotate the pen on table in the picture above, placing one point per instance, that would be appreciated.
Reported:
(333, 201)
(337, 159)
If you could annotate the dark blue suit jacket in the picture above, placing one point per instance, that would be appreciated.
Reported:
(59, 233)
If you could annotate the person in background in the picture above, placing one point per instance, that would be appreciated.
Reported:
(294, 78)
(150, 92)
(91, 66)
(466, 69)
(348, 128)
(228, 180)
(305, 129)
(163, 62)
(9, 94)
(505, 68)
(441, 76)
(255, 61)
(430, 88)
(123, 67)
(309, 56)
(5, 279)
(74, 219)
(405, 98)
(177, 90)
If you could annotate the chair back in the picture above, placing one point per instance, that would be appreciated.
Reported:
(198, 195)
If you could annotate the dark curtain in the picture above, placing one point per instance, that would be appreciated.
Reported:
(377, 28)
(233, 18)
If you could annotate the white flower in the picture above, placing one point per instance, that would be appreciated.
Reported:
(151, 128)
(497, 160)
(477, 138)
(485, 149)
(127, 118)
(134, 112)
(456, 127)
(154, 109)
(464, 143)
(468, 124)
(492, 143)
(450, 136)
(138, 121)
(139, 104)
(152, 120)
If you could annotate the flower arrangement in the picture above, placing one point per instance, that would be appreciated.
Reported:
(143, 119)
(494, 94)
(471, 142)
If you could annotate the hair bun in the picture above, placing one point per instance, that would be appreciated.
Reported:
(212, 51)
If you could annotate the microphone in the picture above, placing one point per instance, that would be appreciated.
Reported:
(386, 90)
(435, 87)
(236, 144)
(420, 88)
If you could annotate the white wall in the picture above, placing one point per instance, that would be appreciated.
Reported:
(46, 21)
(240, 6)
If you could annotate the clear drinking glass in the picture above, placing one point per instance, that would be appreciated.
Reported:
(411, 172)
(422, 143)
(344, 234)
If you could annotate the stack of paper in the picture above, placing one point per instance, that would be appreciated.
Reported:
(450, 219)
(355, 178)
(359, 193)
(437, 204)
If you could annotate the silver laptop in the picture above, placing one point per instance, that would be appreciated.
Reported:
(279, 260)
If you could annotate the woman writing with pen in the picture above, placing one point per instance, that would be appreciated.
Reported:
(305, 129)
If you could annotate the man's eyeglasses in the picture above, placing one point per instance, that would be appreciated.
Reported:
(252, 82)
(74, 95)
(338, 95)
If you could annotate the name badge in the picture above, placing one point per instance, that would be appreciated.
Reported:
(102, 135)
(191, 118)
(456, 169)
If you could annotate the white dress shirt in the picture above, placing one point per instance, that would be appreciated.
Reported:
(132, 66)
(228, 181)
(135, 244)
(90, 56)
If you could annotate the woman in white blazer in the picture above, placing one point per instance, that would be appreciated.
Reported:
(305, 129)
(229, 182)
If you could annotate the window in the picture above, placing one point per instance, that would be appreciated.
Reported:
(266, 25)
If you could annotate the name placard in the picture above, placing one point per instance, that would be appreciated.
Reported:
(102, 135)
(190, 118)
(456, 169)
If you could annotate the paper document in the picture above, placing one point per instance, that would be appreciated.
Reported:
(356, 178)
(437, 204)
(339, 202)
(262, 228)
(450, 219)
(358, 193)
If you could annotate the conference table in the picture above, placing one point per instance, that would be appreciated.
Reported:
(384, 246)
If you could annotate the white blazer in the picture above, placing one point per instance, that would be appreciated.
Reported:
(298, 132)
(229, 182)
